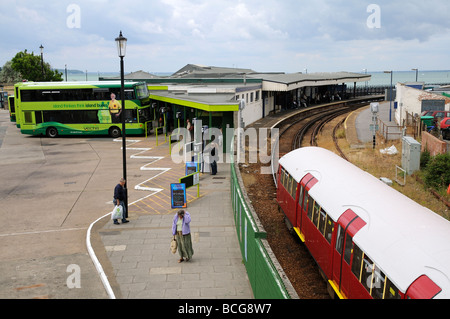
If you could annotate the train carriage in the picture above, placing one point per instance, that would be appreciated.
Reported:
(369, 240)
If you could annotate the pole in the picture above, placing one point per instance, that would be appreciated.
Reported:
(390, 100)
(124, 148)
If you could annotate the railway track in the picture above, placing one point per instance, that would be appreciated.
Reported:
(295, 259)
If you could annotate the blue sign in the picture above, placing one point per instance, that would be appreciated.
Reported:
(178, 195)
(191, 168)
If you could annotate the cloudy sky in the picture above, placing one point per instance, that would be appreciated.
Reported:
(263, 35)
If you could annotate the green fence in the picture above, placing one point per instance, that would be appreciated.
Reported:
(264, 277)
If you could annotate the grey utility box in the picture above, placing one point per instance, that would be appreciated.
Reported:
(410, 155)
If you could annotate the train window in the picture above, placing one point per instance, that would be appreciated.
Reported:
(340, 240)
(322, 220)
(289, 185)
(357, 261)
(310, 207)
(286, 180)
(305, 202)
(315, 217)
(348, 248)
(367, 271)
(300, 196)
(391, 291)
(378, 283)
(328, 229)
(293, 187)
(282, 176)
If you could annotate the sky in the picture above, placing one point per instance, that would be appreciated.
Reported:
(262, 35)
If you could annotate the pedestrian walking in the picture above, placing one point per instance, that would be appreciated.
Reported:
(119, 199)
(181, 230)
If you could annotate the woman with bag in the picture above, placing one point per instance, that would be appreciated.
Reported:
(181, 230)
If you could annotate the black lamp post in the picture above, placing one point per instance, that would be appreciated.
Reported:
(42, 61)
(121, 49)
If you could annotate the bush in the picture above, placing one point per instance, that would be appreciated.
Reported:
(425, 157)
(437, 172)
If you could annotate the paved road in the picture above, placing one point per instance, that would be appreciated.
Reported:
(51, 190)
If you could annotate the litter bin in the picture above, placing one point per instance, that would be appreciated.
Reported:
(427, 120)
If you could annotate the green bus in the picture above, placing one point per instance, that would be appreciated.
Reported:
(12, 109)
(77, 108)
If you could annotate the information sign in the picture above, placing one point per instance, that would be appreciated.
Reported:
(191, 168)
(178, 195)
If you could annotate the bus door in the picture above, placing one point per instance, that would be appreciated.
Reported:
(307, 182)
(347, 226)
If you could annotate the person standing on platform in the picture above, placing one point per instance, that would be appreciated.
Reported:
(214, 157)
(181, 230)
(119, 199)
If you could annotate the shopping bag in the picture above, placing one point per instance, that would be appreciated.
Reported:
(173, 245)
(117, 213)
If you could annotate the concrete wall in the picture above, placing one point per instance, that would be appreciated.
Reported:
(434, 145)
(410, 100)
(253, 104)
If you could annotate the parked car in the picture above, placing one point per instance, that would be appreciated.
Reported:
(445, 128)
(436, 114)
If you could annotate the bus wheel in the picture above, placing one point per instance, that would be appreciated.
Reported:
(52, 132)
(115, 132)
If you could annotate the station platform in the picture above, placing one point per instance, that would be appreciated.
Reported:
(136, 257)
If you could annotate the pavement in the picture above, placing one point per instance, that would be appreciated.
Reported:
(135, 256)
(364, 120)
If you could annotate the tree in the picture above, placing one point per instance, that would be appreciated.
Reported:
(9, 75)
(30, 68)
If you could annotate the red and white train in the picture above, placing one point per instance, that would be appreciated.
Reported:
(369, 240)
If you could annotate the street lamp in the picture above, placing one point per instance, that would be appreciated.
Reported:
(390, 98)
(417, 73)
(42, 61)
(121, 42)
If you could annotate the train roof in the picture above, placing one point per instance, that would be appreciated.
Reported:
(404, 239)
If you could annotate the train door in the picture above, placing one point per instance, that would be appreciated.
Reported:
(347, 226)
(306, 184)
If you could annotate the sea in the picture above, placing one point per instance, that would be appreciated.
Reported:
(379, 78)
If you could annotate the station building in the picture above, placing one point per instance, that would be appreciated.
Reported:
(213, 94)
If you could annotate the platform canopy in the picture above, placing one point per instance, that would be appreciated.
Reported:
(283, 82)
